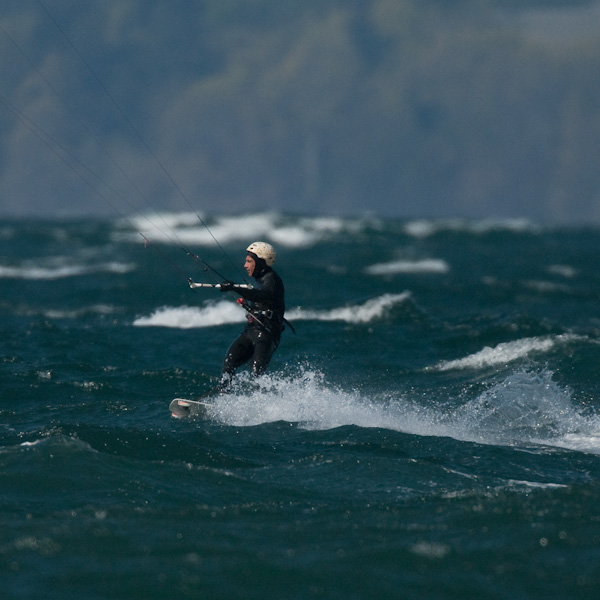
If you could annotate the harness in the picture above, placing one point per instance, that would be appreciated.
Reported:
(267, 314)
(254, 315)
(262, 317)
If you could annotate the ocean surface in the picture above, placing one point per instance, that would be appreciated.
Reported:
(431, 430)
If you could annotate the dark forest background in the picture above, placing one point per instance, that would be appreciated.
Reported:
(475, 108)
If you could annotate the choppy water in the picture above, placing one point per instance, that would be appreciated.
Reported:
(431, 431)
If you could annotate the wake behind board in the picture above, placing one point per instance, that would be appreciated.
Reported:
(180, 408)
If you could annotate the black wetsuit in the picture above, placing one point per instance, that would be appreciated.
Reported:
(260, 338)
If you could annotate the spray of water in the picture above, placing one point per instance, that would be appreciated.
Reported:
(526, 408)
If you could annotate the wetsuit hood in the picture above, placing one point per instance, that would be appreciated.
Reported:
(261, 266)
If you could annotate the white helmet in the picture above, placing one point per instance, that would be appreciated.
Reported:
(264, 251)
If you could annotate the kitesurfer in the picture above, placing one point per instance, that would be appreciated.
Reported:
(265, 308)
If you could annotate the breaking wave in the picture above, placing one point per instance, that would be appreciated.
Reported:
(225, 312)
(526, 408)
(187, 228)
(431, 265)
(60, 270)
(423, 228)
(505, 352)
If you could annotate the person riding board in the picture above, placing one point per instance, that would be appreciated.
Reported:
(265, 308)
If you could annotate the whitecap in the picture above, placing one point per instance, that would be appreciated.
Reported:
(430, 550)
(430, 265)
(304, 398)
(31, 271)
(526, 405)
(190, 317)
(225, 312)
(565, 271)
(371, 310)
(545, 287)
(422, 228)
(194, 229)
(504, 352)
(517, 483)
(100, 309)
(587, 439)
(527, 409)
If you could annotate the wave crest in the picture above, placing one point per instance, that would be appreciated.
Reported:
(505, 352)
(525, 408)
(188, 228)
(225, 312)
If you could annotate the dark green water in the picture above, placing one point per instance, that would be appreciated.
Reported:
(432, 431)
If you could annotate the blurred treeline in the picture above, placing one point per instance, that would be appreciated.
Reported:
(406, 107)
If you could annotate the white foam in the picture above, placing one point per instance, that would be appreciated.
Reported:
(190, 317)
(565, 271)
(422, 228)
(526, 409)
(30, 271)
(431, 265)
(31, 444)
(59, 442)
(226, 312)
(517, 483)
(504, 353)
(371, 310)
(546, 287)
(305, 398)
(584, 441)
(101, 309)
(189, 229)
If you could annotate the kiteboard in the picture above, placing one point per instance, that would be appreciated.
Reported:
(180, 408)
